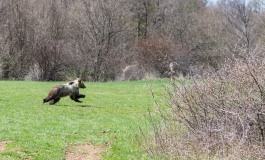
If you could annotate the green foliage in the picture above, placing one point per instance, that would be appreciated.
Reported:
(110, 116)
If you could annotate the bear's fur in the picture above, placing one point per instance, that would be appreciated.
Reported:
(70, 89)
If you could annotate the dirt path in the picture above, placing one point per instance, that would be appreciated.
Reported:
(84, 152)
(75, 152)
(3, 145)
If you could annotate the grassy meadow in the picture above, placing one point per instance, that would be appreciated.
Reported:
(110, 116)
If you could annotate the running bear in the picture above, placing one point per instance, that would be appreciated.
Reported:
(70, 89)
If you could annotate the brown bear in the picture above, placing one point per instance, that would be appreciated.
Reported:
(70, 89)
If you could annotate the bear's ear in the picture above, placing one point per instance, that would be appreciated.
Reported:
(70, 83)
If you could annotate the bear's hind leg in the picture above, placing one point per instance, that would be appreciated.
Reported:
(44, 100)
(52, 102)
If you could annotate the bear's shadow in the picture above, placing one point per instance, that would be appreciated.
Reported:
(85, 105)
(78, 105)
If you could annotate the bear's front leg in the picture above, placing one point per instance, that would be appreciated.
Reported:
(80, 96)
(73, 97)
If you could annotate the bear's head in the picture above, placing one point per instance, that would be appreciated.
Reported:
(77, 83)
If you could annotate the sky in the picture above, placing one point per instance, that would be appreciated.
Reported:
(212, 1)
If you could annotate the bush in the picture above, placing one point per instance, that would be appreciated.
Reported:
(219, 115)
(155, 54)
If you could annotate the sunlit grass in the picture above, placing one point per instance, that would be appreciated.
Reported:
(110, 116)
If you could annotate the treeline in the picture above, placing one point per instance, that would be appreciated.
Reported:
(105, 40)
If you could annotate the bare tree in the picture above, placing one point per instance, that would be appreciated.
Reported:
(17, 36)
(240, 24)
(100, 26)
(181, 22)
(98, 39)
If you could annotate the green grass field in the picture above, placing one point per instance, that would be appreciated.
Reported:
(110, 116)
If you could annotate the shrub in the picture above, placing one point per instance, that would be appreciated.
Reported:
(219, 115)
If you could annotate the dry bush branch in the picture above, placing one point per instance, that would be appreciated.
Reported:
(221, 115)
